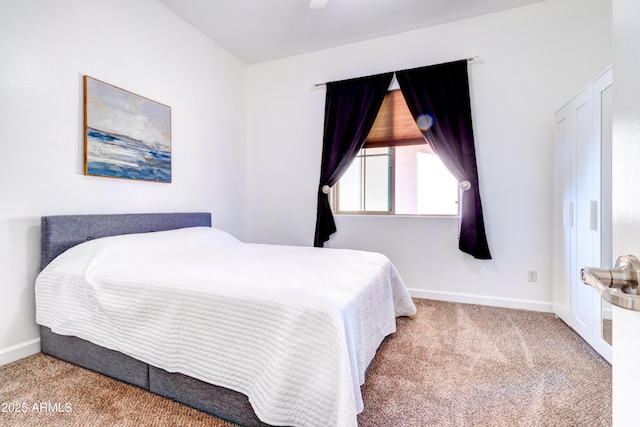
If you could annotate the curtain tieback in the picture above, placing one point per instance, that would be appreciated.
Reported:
(465, 185)
(326, 189)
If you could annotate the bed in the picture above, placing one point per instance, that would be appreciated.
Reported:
(255, 334)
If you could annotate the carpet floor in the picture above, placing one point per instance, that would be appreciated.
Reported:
(451, 365)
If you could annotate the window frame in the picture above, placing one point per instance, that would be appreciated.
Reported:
(391, 129)
(335, 192)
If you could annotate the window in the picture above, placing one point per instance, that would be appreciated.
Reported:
(396, 172)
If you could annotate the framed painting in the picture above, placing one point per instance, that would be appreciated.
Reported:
(126, 135)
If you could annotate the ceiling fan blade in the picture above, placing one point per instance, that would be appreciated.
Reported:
(317, 4)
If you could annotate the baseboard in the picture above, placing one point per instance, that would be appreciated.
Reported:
(19, 351)
(546, 307)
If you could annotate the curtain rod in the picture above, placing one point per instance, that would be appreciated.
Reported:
(469, 59)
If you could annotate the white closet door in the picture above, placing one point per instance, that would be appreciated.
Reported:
(586, 169)
(602, 188)
(564, 214)
(582, 210)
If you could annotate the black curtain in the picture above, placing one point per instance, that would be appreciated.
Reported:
(438, 98)
(351, 107)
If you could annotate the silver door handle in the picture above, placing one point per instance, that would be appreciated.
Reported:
(618, 285)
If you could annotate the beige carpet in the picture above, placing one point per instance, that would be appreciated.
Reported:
(471, 365)
(453, 365)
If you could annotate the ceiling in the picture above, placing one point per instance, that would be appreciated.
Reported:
(261, 30)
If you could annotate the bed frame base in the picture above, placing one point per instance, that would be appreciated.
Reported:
(219, 401)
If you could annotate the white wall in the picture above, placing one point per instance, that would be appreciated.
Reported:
(45, 48)
(533, 60)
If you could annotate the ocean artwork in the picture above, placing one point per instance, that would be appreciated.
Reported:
(126, 135)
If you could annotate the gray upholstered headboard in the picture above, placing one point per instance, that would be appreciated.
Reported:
(61, 232)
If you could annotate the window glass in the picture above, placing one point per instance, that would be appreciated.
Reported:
(377, 180)
(423, 185)
(349, 196)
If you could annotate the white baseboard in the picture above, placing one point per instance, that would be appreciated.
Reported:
(19, 351)
(546, 307)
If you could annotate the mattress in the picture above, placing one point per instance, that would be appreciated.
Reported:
(292, 328)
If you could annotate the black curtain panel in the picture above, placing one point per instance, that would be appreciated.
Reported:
(351, 107)
(438, 98)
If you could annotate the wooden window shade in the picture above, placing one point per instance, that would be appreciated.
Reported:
(394, 124)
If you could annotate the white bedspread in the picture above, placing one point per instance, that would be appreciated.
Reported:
(293, 328)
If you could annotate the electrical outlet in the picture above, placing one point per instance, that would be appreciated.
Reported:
(532, 276)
